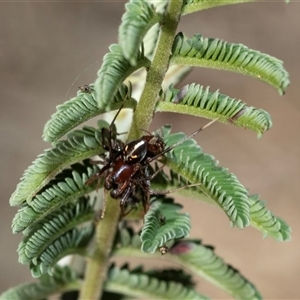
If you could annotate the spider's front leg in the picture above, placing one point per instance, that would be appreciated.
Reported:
(125, 200)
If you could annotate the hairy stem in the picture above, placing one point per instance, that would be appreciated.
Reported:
(146, 106)
(97, 265)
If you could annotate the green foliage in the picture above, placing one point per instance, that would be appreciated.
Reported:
(73, 241)
(68, 186)
(203, 261)
(218, 183)
(163, 223)
(42, 235)
(260, 217)
(266, 222)
(198, 101)
(62, 279)
(80, 145)
(140, 16)
(114, 70)
(82, 108)
(191, 6)
(56, 215)
(142, 285)
(215, 53)
(198, 259)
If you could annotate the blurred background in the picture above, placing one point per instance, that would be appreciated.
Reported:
(50, 48)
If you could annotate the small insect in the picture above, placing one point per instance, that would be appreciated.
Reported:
(127, 165)
(85, 88)
(163, 249)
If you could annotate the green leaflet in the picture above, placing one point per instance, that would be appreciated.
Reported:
(82, 108)
(42, 235)
(217, 183)
(191, 6)
(140, 285)
(127, 237)
(67, 187)
(79, 145)
(156, 233)
(266, 222)
(204, 262)
(178, 275)
(139, 17)
(260, 217)
(114, 70)
(173, 181)
(74, 241)
(62, 279)
(197, 100)
(215, 53)
(152, 35)
(150, 40)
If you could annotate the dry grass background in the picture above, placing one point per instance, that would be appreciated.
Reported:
(45, 46)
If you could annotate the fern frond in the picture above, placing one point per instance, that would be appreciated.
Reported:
(141, 285)
(82, 108)
(139, 17)
(155, 234)
(74, 241)
(266, 222)
(261, 218)
(80, 145)
(215, 53)
(62, 279)
(67, 188)
(218, 183)
(203, 261)
(150, 40)
(53, 226)
(151, 37)
(127, 237)
(197, 100)
(114, 70)
(172, 181)
(191, 6)
(177, 275)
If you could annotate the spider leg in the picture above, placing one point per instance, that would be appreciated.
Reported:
(151, 176)
(157, 192)
(97, 162)
(97, 175)
(146, 201)
(124, 200)
(99, 214)
(181, 141)
(144, 182)
(120, 190)
(110, 128)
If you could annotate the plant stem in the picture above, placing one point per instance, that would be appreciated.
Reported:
(146, 106)
(106, 229)
(97, 265)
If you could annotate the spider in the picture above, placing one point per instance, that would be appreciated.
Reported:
(85, 88)
(126, 166)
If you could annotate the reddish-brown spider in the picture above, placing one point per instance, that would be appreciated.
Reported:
(126, 166)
